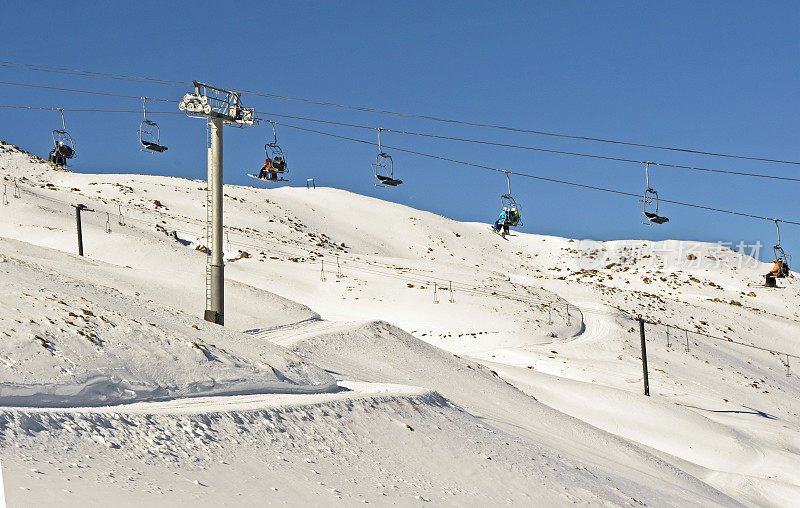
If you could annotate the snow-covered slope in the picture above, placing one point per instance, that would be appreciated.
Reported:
(70, 343)
(531, 316)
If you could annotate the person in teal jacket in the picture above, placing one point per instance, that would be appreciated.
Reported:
(507, 218)
(502, 222)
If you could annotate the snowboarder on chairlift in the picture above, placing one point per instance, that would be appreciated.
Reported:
(59, 154)
(65, 150)
(266, 173)
(279, 164)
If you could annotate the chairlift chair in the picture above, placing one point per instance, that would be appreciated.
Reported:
(270, 172)
(509, 204)
(149, 133)
(384, 171)
(780, 255)
(63, 144)
(650, 208)
(384, 167)
(650, 214)
(275, 153)
(276, 157)
(275, 165)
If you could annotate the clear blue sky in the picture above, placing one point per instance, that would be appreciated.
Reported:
(717, 76)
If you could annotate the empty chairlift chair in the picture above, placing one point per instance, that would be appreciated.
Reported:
(149, 133)
(650, 214)
(384, 167)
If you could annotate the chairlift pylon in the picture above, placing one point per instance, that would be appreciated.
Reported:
(63, 144)
(650, 214)
(384, 167)
(149, 133)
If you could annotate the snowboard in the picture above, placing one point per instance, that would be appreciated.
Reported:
(268, 181)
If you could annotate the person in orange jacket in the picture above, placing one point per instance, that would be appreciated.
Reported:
(775, 272)
(265, 173)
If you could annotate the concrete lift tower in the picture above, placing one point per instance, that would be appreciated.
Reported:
(219, 107)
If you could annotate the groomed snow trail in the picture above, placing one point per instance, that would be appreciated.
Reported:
(379, 352)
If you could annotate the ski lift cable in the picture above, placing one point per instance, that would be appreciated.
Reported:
(393, 113)
(527, 131)
(724, 339)
(575, 184)
(537, 177)
(91, 92)
(533, 148)
(91, 74)
(414, 133)
(92, 110)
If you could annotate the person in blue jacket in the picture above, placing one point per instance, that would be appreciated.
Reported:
(502, 222)
(507, 218)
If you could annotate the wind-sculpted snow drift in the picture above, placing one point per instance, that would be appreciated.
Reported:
(70, 343)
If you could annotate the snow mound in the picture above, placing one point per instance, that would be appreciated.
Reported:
(376, 444)
(379, 352)
(68, 342)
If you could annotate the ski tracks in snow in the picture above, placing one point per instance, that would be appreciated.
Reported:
(596, 325)
(290, 334)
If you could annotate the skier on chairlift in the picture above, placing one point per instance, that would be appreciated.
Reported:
(55, 158)
(509, 211)
(59, 154)
(507, 218)
(502, 222)
(781, 268)
(777, 271)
